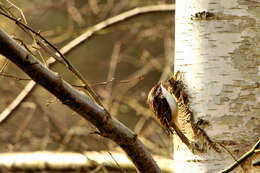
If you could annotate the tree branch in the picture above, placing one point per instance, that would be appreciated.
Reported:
(82, 38)
(107, 125)
(243, 158)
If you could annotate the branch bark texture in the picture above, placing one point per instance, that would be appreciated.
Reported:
(84, 37)
(107, 125)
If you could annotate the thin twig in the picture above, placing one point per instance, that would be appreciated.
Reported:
(23, 125)
(138, 78)
(82, 38)
(230, 153)
(108, 126)
(4, 65)
(19, 9)
(25, 21)
(244, 157)
(141, 72)
(116, 19)
(111, 73)
(17, 101)
(13, 76)
(89, 90)
(113, 158)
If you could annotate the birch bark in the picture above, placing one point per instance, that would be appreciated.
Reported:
(220, 58)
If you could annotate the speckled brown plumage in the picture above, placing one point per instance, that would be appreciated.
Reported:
(160, 107)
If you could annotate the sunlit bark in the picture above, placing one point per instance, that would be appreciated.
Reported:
(219, 53)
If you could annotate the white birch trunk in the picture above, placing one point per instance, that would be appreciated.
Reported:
(220, 58)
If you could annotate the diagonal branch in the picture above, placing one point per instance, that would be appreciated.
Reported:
(243, 158)
(81, 39)
(107, 125)
(79, 76)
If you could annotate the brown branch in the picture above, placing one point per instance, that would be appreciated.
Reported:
(17, 101)
(2, 69)
(79, 76)
(107, 125)
(116, 19)
(82, 38)
(111, 74)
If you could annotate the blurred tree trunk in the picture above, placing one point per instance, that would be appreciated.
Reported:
(219, 54)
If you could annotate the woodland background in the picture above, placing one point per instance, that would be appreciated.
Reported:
(130, 57)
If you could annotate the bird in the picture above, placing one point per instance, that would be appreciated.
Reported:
(164, 106)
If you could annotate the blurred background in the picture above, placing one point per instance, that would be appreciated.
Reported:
(122, 63)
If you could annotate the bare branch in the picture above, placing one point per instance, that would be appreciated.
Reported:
(10, 108)
(85, 36)
(107, 125)
(116, 19)
(243, 158)
(66, 62)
